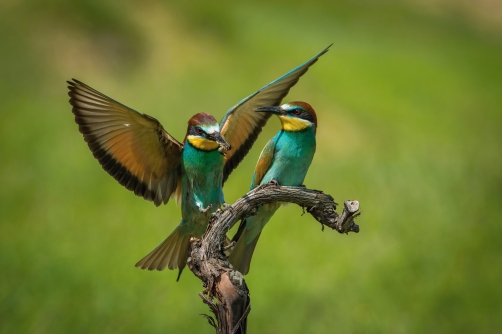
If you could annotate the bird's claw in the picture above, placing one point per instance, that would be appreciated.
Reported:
(230, 245)
(206, 209)
(274, 182)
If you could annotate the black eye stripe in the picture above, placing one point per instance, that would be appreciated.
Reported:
(196, 131)
(299, 112)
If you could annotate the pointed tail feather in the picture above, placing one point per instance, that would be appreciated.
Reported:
(171, 253)
(241, 255)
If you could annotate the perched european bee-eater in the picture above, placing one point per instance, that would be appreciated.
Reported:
(135, 149)
(285, 160)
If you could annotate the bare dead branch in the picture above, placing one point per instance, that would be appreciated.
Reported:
(221, 282)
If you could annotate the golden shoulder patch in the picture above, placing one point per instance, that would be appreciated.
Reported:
(202, 143)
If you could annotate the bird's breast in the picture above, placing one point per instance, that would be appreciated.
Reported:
(292, 158)
(201, 183)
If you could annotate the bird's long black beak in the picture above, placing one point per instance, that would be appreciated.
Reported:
(271, 109)
(224, 146)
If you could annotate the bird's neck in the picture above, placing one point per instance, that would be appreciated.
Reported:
(304, 138)
(199, 160)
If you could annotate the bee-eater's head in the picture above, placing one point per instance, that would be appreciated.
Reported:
(294, 116)
(204, 133)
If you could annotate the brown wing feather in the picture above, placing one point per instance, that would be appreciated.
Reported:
(134, 148)
(241, 131)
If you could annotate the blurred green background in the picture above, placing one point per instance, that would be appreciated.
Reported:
(409, 100)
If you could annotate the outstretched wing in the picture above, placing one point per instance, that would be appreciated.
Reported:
(132, 147)
(241, 125)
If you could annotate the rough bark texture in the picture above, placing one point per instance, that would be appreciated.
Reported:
(226, 292)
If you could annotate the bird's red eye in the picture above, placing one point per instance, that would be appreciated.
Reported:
(199, 130)
(298, 112)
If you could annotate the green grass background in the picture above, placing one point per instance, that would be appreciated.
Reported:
(409, 101)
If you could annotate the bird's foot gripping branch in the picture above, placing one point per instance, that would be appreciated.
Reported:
(209, 263)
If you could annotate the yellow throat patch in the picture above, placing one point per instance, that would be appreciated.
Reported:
(294, 124)
(202, 143)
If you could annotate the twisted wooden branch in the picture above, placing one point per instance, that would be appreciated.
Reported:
(209, 263)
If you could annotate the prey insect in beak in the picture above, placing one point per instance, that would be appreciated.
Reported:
(224, 146)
